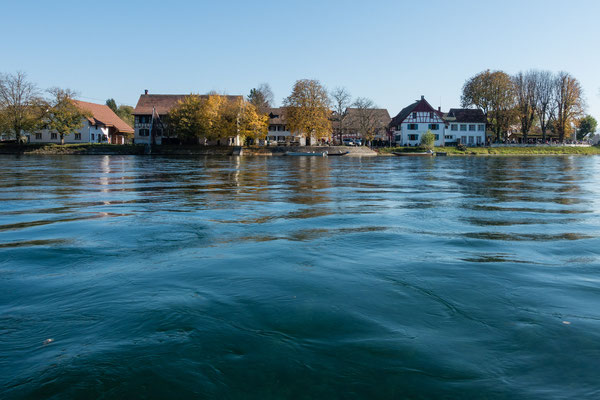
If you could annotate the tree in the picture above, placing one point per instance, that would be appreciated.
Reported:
(544, 96)
(494, 93)
(587, 124)
(252, 124)
(428, 140)
(367, 119)
(112, 104)
(526, 96)
(64, 116)
(189, 118)
(568, 101)
(261, 98)
(21, 105)
(307, 109)
(341, 102)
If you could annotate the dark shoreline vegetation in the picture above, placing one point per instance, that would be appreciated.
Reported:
(132, 149)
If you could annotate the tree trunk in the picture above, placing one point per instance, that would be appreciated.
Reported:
(62, 139)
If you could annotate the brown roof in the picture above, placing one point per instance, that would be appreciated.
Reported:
(164, 102)
(473, 115)
(351, 120)
(103, 115)
(276, 116)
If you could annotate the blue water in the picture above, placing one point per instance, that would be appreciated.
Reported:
(249, 277)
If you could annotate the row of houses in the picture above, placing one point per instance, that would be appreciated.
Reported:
(457, 126)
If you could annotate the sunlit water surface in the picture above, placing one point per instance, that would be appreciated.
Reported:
(299, 277)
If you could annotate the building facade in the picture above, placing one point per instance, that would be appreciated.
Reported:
(458, 126)
(104, 126)
(152, 119)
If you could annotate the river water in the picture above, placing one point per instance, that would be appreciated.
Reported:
(291, 277)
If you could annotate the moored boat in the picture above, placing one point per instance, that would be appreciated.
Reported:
(408, 154)
(337, 154)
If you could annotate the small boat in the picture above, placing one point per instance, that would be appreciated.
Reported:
(408, 154)
(337, 154)
(306, 153)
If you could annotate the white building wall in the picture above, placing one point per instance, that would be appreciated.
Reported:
(464, 135)
(423, 122)
(88, 134)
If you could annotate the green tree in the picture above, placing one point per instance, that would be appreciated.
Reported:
(188, 119)
(587, 124)
(307, 109)
(494, 93)
(261, 98)
(126, 114)
(21, 105)
(63, 115)
(428, 140)
(112, 104)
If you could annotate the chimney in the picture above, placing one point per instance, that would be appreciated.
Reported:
(146, 91)
(422, 97)
(440, 108)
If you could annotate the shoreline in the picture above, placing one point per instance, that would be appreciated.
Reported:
(131, 149)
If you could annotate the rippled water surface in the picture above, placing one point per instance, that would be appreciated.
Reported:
(299, 277)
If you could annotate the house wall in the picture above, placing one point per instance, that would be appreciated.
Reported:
(465, 136)
(422, 120)
(88, 132)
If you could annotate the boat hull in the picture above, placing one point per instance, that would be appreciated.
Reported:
(414, 154)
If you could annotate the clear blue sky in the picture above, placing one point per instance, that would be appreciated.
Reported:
(390, 51)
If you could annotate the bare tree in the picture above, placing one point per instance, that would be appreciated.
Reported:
(544, 99)
(341, 101)
(568, 100)
(526, 99)
(20, 104)
(367, 119)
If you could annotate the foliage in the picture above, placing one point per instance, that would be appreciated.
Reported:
(112, 104)
(307, 109)
(587, 124)
(126, 114)
(568, 98)
(428, 140)
(216, 117)
(494, 93)
(21, 105)
(261, 98)
(64, 116)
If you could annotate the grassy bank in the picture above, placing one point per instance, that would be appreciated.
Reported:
(472, 151)
(83, 148)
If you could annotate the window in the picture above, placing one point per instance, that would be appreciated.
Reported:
(38, 136)
(398, 138)
(448, 137)
(78, 136)
(437, 137)
(414, 115)
(471, 139)
(463, 139)
(463, 127)
(481, 128)
(413, 137)
(453, 127)
(434, 127)
(472, 128)
(430, 115)
(478, 139)
(92, 136)
(53, 136)
(412, 127)
(142, 132)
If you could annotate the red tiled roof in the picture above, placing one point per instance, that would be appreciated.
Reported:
(103, 115)
(163, 102)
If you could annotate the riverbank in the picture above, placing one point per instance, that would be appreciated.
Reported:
(509, 151)
(131, 149)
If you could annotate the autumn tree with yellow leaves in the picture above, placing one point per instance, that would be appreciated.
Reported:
(307, 109)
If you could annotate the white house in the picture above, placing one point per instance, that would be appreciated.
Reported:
(278, 129)
(104, 126)
(458, 126)
(413, 121)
